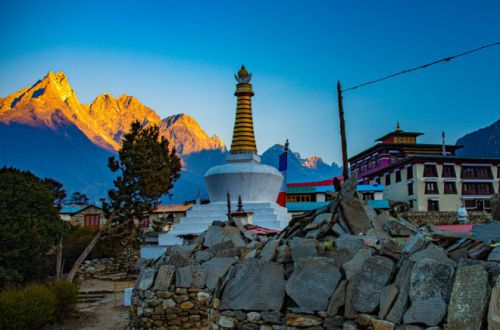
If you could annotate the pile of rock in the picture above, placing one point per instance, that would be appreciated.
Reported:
(97, 267)
(173, 291)
(346, 267)
(340, 267)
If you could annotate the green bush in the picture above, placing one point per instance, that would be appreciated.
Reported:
(66, 294)
(36, 305)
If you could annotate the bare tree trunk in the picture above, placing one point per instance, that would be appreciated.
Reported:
(59, 251)
(345, 166)
(83, 256)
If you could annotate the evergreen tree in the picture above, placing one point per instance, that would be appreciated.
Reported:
(77, 198)
(29, 226)
(147, 170)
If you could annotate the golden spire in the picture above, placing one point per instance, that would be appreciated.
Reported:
(243, 135)
(398, 127)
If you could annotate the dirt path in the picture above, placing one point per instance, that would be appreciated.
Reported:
(99, 314)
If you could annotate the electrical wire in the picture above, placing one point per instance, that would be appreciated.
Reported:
(424, 66)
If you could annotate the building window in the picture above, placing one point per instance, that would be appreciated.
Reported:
(388, 179)
(450, 188)
(409, 173)
(298, 198)
(398, 176)
(92, 220)
(431, 188)
(410, 188)
(378, 180)
(432, 205)
(448, 171)
(477, 188)
(430, 171)
(476, 172)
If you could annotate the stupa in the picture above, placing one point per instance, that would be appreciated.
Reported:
(242, 175)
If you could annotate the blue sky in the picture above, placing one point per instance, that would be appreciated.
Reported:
(180, 56)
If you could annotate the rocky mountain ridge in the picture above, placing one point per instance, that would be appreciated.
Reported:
(484, 142)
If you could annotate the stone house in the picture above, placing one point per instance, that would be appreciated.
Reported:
(88, 216)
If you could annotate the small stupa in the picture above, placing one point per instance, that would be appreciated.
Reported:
(243, 175)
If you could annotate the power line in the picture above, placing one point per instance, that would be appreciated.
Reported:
(424, 66)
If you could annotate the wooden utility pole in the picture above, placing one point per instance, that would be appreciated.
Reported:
(345, 168)
(59, 251)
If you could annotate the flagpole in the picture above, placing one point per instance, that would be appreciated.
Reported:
(345, 167)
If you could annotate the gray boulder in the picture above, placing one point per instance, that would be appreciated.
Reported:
(430, 278)
(215, 268)
(427, 311)
(312, 283)
(469, 299)
(164, 278)
(303, 248)
(372, 278)
(433, 252)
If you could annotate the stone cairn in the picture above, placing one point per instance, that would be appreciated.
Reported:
(342, 266)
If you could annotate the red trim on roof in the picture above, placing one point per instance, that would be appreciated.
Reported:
(328, 182)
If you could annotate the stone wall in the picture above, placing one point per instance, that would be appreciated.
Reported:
(123, 263)
(181, 308)
(444, 218)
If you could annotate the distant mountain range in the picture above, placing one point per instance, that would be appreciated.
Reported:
(45, 129)
(484, 142)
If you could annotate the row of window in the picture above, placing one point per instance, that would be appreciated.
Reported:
(470, 204)
(450, 188)
(430, 171)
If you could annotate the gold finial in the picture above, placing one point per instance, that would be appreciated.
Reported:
(243, 75)
(398, 127)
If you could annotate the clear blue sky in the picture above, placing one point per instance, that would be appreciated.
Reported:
(180, 56)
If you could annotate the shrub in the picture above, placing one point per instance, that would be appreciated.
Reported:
(35, 305)
(66, 294)
(27, 308)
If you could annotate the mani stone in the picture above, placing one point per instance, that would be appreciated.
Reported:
(268, 253)
(256, 285)
(469, 299)
(353, 243)
(435, 253)
(312, 283)
(183, 277)
(303, 248)
(353, 266)
(146, 279)
(199, 275)
(428, 311)
(215, 235)
(372, 278)
(387, 297)
(355, 215)
(338, 299)
(164, 278)
(430, 278)
(216, 268)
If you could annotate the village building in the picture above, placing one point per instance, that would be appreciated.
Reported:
(168, 214)
(428, 177)
(87, 216)
(306, 196)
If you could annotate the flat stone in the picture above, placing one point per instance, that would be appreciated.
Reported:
(349, 311)
(355, 215)
(227, 322)
(349, 325)
(338, 299)
(382, 325)
(353, 266)
(199, 275)
(164, 278)
(387, 297)
(333, 323)
(353, 243)
(187, 305)
(215, 235)
(370, 212)
(323, 217)
(433, 252)
(256, 285)
(398, 227)
(273, 317)
(303, 248)
(302, 320)
(268, 253)
(430, 278)
(253, 317)
(416, 243)
(202, 296)
(458, 254)
(469, 299)
(494, 255)
(427, 311)
(202, 256)
(312, 283)
(340, 256)
(398, 307)
(216, 268)
(184, 277)
(404, 274)
(146, 278)
(373, 277)
(220, 247)
(494, 309)
(338, 230)
(168, 303)
(283, 254)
